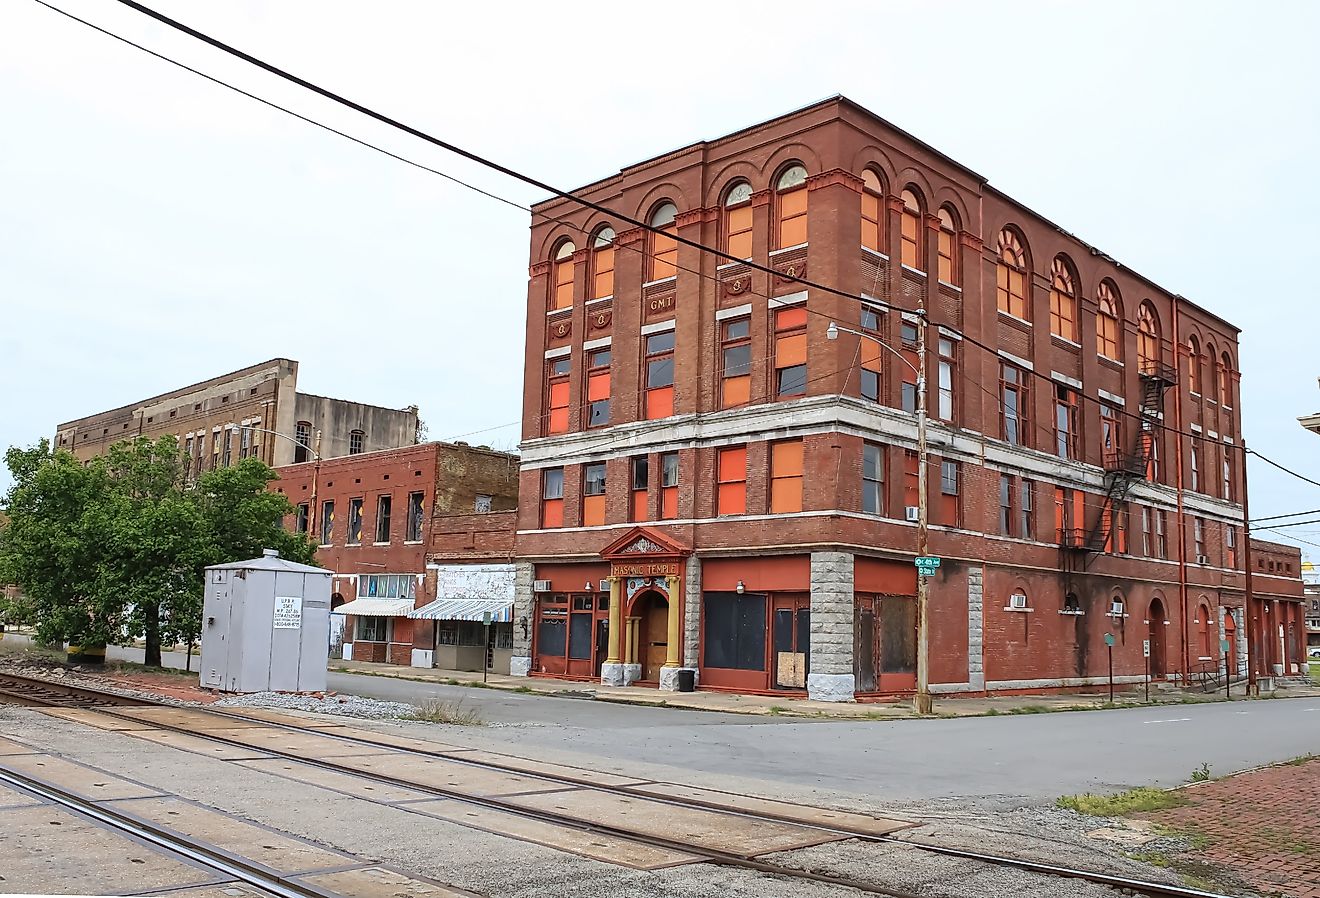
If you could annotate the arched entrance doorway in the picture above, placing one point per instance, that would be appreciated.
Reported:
(651, 614)
(1155, 618)
(1230, 635)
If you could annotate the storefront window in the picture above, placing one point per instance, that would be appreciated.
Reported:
(735, 631)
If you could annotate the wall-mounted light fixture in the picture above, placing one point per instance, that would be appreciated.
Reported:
(741, 587)
(590, 587)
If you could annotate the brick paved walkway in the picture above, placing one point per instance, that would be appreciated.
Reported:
(1264, 826)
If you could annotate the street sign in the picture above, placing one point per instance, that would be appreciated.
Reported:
(1223, 646)
(485, 618)
(1145, 648)
(1109, 639)
(927, 565)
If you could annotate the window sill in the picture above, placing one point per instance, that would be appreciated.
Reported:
(874, 252)
(786, 249)
(1018, 610)
(1074, 613)
(672, 277)
(592, 302)
(326, 546)
(565, 310)
(1065, 341)
(1115, 616)
(950, 286)
(728, 265)
(413, 542)
(1011, 317)
(380, 544)
(905, 267)
(1105, 358)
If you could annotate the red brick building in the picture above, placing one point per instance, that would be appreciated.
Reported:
(373, 515)
(710, 484)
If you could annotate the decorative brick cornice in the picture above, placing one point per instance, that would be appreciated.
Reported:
(971, 241)
(933, 222)
(690, 217)
(630, 236)
(539, 269)
(835, 176)
(761, 198)
(894, 204)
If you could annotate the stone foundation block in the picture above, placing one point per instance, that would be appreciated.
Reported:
(631, 674)
(831, 687)
(520, 666)
(611, 674)
(669, 677)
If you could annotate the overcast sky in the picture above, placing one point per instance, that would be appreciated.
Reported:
(157, 230)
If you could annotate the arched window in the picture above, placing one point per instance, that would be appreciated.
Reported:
(1011, 289)
(602, 263)
(738, 221)
(356, 439)
(1225, 375)
(948, 239)
(1203, 626)
(1117, 607)
(562, 296)
(302, 433)
(1194, 364)
(1108, 314)
(663, 257)
(910, 230)
(1148, 338)
(1063, 300)
(873, 206)
(791, 207)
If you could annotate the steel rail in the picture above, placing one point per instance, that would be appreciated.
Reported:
(1156, 890)
(209, 856)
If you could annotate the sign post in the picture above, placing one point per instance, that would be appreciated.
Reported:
(1228, 671)
(1109, 644)
(1145, 653)
(485, 649)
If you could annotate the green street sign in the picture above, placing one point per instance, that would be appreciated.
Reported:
(1223, 646)
(1109, 639)
(931, 561)
(485, 618)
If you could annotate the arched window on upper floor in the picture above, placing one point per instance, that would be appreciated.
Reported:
(791, 207)
(1194, 364)
(873, 211)
(662, 260)
(738, 220)
(1109, 313)
(1063, 300)
(912, 254)
(602, 263)
(947, 249)
(1011, 276)
(1226, 382)
(1148, 338)
(562, 289)
(302, 435)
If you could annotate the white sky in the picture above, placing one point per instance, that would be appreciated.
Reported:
(156, 229)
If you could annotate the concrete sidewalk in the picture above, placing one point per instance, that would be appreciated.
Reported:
(787, 705)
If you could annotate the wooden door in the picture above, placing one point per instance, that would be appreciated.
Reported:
(1157, 628)
(655, 636)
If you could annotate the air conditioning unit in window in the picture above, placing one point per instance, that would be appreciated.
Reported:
(1202, 559)
(541, 586)
(1116, 609)
(604, 586)
(913, 513)
(1017, 601)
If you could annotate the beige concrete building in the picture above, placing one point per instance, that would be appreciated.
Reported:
(226, 418)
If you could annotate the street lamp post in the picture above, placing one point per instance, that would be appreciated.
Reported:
(316, 467)
(921, 701)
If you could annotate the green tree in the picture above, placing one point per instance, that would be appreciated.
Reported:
(115, 549)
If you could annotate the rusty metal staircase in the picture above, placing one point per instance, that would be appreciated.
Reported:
(1123, 468)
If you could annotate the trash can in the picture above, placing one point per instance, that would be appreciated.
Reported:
(687, 680)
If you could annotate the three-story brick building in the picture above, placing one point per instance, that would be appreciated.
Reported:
(710, 484)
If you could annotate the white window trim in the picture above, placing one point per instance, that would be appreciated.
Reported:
(1016, 318)
(600, 343)
(734, 312)
(672, 277)
(905, 267)
(728, 265)
(790, 299)
(950, 334)
(775, 252)
(950, 286)
(564, 311)
(1110, 397)
(875, 252)
(592, 302)
(1021, 363)
(1065, 379)
(658, 327)
(559, 353)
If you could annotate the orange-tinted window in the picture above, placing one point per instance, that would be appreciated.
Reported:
(791, 207)
(911, 478)
(948, 269)
(563, 276)
(736, 362)
(602, 264)
(552, 497)
(869, 353)
(1226, 387)
(786, 476)
(659, 365)
(664, 248)
(910, 231)
(731, 492)
(872, 211)
(791, 351)
(557, 396)
(1194, 365)
(669, 486)
(1011, 275)
(1107, 318)
(593, 495)
(1063, 301)
(598, 388)
(1148, 337)
(738, 221)
(641, 481)
(946, 509)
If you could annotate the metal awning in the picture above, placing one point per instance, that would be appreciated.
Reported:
(501, 611)
(376, 607)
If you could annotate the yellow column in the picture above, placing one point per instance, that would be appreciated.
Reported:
(630, 642)
(674, 651)
(616, 623)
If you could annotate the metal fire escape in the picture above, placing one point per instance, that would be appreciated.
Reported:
(1123, 467)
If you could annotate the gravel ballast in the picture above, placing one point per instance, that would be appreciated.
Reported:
(341, 705)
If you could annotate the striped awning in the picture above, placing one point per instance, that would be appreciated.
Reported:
(501, 611)
(376, 607)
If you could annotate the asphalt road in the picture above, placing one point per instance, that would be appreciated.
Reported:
(1033, 757)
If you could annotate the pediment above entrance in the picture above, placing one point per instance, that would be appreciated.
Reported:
(641, 543)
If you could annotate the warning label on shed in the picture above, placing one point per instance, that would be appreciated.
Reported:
(288, 612)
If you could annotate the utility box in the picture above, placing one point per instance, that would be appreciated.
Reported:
(265, 626)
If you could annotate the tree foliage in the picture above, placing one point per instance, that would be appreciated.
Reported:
(114, 550)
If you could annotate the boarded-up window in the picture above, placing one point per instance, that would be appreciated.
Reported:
(598, 388)
(556, 419)
(872, 211)
(791, 351)
(562, 296)
(736, 362)
(602, 264)
(731, 492)
(660, 375)
(593, 495)
(664, 248)
(948, 259)
(734, 635)
(910, 228)
(738, 221)
(552, 497)
(791, 205)
(786, 476)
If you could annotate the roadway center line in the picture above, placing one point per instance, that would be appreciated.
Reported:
(1170, 720)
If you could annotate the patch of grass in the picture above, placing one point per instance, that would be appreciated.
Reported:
(134, 667)
(1300, 760)
(993, 712)
(524, 689)
(1201, 774)
(1030, 709)
(1315, 672)
(1142, 798)
(476, 684)
(776, 710)
(1154, 858)
(454, 713)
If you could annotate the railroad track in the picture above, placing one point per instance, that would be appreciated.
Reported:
(1125, 885)
(20, 690)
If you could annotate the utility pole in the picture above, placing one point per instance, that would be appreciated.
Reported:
(922, 702)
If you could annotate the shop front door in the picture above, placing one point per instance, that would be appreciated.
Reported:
(654, 641)
(790, 657)
(885, 644)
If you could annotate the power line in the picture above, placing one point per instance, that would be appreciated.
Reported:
(1293, 524)
(1285, 469)
(1279, 517)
